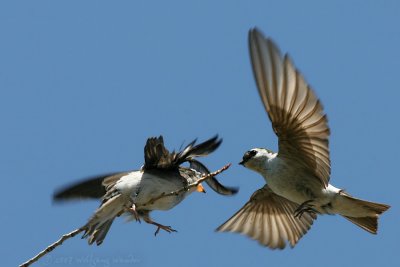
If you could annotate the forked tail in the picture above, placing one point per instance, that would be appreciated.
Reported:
(362, 213)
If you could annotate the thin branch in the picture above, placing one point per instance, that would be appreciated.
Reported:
(151, 201)
(52, 246)
(183, 189)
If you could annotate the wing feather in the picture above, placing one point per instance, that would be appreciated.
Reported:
(93, 187)
(296, 114)
(269, 218)
(156, 156)
(212, 182)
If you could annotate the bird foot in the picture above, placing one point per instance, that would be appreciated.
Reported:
(163, 227)
(306, 206)
(134, 212)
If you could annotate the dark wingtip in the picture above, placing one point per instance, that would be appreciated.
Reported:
(216, 140)
(91, 188)
(202, 149)
(252, 32)
(213, 182)
(219, 142)
(234, 189)
(221, 189)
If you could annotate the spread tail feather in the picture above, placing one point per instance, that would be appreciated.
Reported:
(369, 224)
(97, 233)
(97, 227)
(362, 213)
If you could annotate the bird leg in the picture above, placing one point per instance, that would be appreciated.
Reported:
(133, 211)
(159, 226)
(306, 206)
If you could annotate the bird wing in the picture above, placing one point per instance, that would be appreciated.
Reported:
(158, 157)
(269, 218)
(93, 187)
(296, 114)
(212, 182)
(193, 151)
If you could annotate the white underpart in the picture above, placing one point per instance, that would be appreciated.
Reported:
(290, 182)
(141, 187)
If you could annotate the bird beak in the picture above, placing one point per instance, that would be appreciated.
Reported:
(200, 188)
(241, 163)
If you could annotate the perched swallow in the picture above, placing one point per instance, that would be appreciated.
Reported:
(131, 193)
(297, 178)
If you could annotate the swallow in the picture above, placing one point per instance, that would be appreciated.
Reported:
(132, 193)
(297, 178)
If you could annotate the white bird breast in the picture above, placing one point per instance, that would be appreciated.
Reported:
(142, 187)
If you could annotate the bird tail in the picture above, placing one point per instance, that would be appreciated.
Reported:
(97, 227)
(362, 213)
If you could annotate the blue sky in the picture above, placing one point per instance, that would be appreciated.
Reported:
(84, 83)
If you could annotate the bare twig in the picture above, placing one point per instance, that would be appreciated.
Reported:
(151, 201)
(52, 246)
(183, 189)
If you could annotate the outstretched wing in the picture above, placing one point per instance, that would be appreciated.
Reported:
(269, 219)
(158, 157)
(94, 187)
(296, 114)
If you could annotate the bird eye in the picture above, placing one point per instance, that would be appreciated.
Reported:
(252, 153)
(249, 154)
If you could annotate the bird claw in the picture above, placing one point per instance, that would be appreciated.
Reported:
(306, 206)
(165, 228)
(134, 212)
